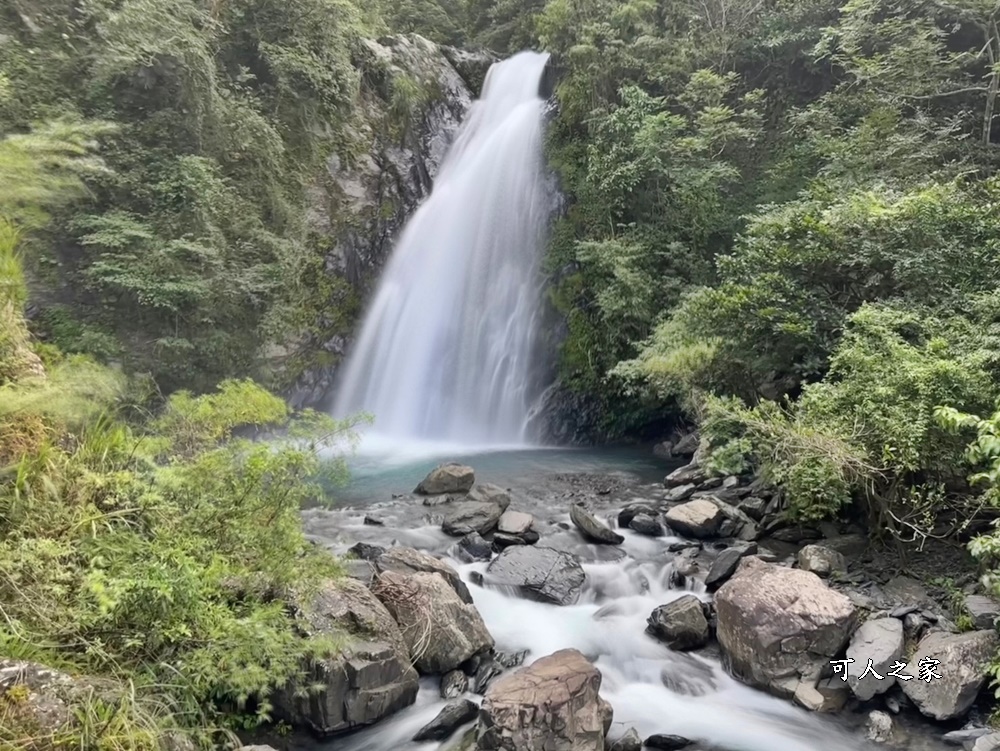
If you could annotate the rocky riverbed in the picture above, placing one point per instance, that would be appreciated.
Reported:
(582, 610)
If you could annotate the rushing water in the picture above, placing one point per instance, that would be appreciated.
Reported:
(446, 351)
(651, 687)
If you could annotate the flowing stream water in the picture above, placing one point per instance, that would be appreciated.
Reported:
(447, 348)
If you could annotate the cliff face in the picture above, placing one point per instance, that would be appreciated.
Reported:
(414, 96)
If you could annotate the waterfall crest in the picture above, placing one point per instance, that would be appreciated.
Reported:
(446, 349)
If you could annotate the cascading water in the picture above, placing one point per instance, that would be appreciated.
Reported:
(446, 349)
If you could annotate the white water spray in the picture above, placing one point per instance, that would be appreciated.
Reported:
(446, 349)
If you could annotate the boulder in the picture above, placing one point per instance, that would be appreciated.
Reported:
(454, 683)
(371, 678)
(686, 444)
(410, 561)
(373, 521)
(878, 728)
(591, 529)
(680, 624)
(753, 506)
(965, 737)
(776, 624)
(447, 478)
(448, 720)
(821, 560)
(663, 450)
(538, 573)
(647, 525)
(699, 518)
(502, 540)
(627, 514)
(667, 742)
(960, 661)
(983, 610)
(690, 474)
(489, 493)
(829, 695)
(515, 522)
(881, 641)
(724, 566)
(680, 493)
(440, 631)
(362, 571)
(466, 517)
(631, 741)
(365, 551)
(551, 705)
(38, 699)
(473, 547)
(988, 742)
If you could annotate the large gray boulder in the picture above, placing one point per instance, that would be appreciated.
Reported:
(410, 561)
(778, 625)
(371, 678)
(538, 573)
(960, 661)
(821, 560)
(591, 528)
(881, 641)
(551, 705)
(983, 610)
(466, 517)
(447, 478)
(680, 624)
(698, 518)
(439, 630)
(515, 522)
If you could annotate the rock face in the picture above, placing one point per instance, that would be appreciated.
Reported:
(881, 641)
(369, 680)
(410, 561)
(447, 478)
(551, 705)
(698, 518)
(821, 560)
(960, 660)
(539, 573)
(681, 624)
(777, 625)
(440, 631)
(591, 529)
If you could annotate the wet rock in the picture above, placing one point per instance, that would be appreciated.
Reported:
(371, 678)
(538, 573)
(827, 695)
(960, 661)
(447, 478)
(966, 736)
(689, 474)
(439, 629)
(362, 571)
(680, 493)
(878, 727)
(776, 624)
(454, 683)
(591, 528)
(487, 667)
(365, 551)
(489, 493)
(700, 518)
(631, 741)
(753, 506)
(410, 561)
(983, 610)
(515, 522)
(881, 641)
(680, 624)
(682, 545)
(466, 517)
(373, 521)
(647, 525)
(667, 742)
(724, 566)
(502, 541)
(551, 704)
(627, 514)
(821, 561)
(473, 547)
(989, 742)
(448, 720)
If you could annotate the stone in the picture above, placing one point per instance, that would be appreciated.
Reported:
(362, 571)
(680, 624)
(724, 566)
(448, 720)
(410, 561)
(627, 514)
(965, 736)
(551, 705)
(373, 521)
(821, 561)
(680, 493)
(983, 610)
(39, 697)
(591, 528)
(644, 524)
(878, 727)
(489, 493)
(824, 696)
(502, 540)
(538, 573)
(447, 478)
(466, 517)
(687, 444)
(366, 551)
(515, 522)
(371, 678)
(881, 641)
(630, 741)
(663, 450)
(439, 629)
(988, 742)
(699, 518)
(753, 506)
(776, 624)
(473, 548)
(667, 742)
(961, 661)
(454, 683)
(690, 474)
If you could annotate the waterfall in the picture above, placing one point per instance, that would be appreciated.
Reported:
(446, 350)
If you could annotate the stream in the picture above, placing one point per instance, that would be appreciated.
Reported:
(651, 687)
